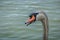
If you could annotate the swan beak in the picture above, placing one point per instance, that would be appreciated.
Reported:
(30, 20)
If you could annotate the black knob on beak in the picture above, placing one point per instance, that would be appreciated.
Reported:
(27, 23)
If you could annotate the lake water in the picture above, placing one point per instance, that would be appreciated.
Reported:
(13, 14)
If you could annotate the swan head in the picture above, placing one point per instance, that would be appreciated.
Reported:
(31, 19)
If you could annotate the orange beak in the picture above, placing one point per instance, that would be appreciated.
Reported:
(30, 20)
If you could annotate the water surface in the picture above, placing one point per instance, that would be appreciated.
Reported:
(13, 14)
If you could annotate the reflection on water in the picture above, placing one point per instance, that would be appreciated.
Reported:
(13, 14)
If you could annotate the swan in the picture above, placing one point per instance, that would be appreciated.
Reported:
(40, 16)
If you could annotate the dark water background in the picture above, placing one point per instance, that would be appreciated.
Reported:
(13, 14)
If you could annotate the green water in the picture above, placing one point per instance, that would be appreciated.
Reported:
(13, 14)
